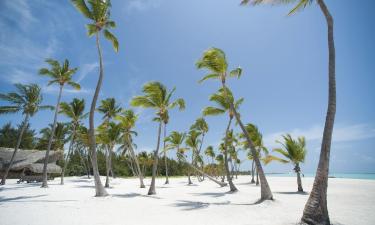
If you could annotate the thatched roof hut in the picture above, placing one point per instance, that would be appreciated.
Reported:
(29, 160)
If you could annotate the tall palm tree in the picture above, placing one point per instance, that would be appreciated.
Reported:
(175, 140)
(215, 61)
(316, 211)
(223, 99)
(60, 74)
(75, 112)
(295, 152)
(157, 97)
(110, 109)
(28, 100)
(127, 121)
(201, 126)
(98, 13)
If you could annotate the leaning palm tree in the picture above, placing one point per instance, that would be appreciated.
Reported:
(98, 13)
(316, 211)
(28, 100)
(201, 126)
(156, 96)
(295, 152)
(60, 74)
(215, 61)
(109, 108)
(127, 121)
(75, 112)
(174, 141)
(210, 153)
(223, 99)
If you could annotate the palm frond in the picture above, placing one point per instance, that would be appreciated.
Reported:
(82, 7)
(109, 36)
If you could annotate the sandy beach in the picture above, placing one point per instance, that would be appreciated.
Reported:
(350, 201)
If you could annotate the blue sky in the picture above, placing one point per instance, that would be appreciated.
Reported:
(284, 60)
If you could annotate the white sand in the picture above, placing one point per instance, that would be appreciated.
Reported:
(350, 202)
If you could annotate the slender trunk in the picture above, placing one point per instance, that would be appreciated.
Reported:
(152, 190)
(299, 182)
(99, 189)
(316, 211)
(24, 125)
(140, 175)
(165, 155)
(232, 187)
(68, 155)
(200, 179)
(45, 184)
(84, 164)
(257, 182)
(222, 184)
(189, 179)
(108, 166)
(252, 172)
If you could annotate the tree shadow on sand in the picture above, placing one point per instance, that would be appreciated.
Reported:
(130, 195)
(30, 199)
(212, 194)
(292, 193)
(192, 205)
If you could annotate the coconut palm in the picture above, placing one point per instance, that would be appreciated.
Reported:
(60, 74)
(98, 12)
(109, 108)
(174, 141)
(28, 100)
(108, 136)
(201, 126)
(127, 120)
(210, 153)
(61, 132)
(157, 97)
(223, 99)
(294, 150)
(316, 211)
(75, 112)
(215, 61)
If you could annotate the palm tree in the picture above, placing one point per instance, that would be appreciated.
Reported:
(110, 109)
(99, 15)
(156, 96)
(28, 100)
(175, 140)
(223, 98)
(60, 132)
(202, 127)
(316, 211)
(210, 153)
(295, 152)
(215, 61)
(127, 121)
(108, 135)
(60, 74)
(75, 112)
(193, 142)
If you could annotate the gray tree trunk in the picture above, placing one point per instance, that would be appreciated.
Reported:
(316, 211)
(140, 174)
(165, 155)
(66, 160)
(232, 187)
(24, 125)
(108, 166)
(99, 188)
(152, 190)
(44, 183)
(252, 172)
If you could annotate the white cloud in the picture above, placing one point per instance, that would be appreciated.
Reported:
(341, 133)
(85, 69)
(55, 90)
(19, 12)
(20, 76)
(142, 5)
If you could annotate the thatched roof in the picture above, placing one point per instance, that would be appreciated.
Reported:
(31, 159)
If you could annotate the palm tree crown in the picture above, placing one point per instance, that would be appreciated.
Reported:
(293, 150)
(223, 103)
(74, 110)
(60, 73)
(109, 108)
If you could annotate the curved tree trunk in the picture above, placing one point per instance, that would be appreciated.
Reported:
(45, 184)
(24, 125)
(316, 211)
(140, 174)
(165, 156)
(152, 190)
(68, 155)
(232, 187)
(265, 189)
(99, 189)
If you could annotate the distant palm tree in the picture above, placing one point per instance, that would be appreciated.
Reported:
(175, 140)
(60, 74)
(99, 15)
(201, 126)
(223, 99)
(110, 109)
(61, 132)
(28, 100)
(75, 112)
(193, 142)
(156, 96)
(210, 153)
(295, 152)
(215, 61)
(127, 121)
(316, 210)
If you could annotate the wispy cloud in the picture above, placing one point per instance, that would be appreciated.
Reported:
(19, 76)
(18, 12)
(142, 5)
(55, 90)
(86, 69)
(341, 133)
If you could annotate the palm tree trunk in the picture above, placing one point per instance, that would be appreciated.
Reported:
(68, 155)
(140, 175)
(232, 187)
(51, 137)
(108, 166)
(316, 211)
(252, 173)
(200, 179)
(84, 164)
(99, 189)
(299, 182)
(24, 125)
(152, 190)
(257, 182)
(165, 155)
